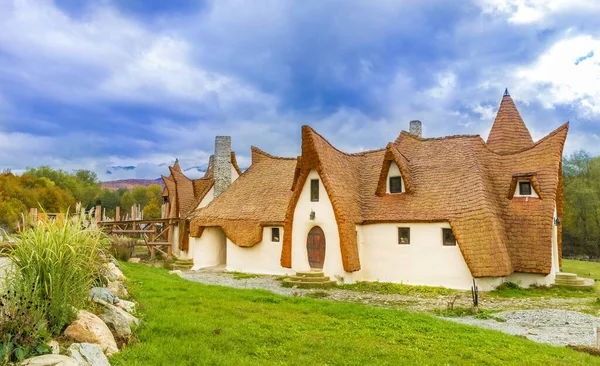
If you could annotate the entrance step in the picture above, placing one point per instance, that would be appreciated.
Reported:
(183, 264)
(309, 279)
(570, 280)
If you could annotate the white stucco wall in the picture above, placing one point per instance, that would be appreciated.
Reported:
(175, 241)
(393, 171)
(262, 258)
(425, 261)
(325, 218)
(208, 198)
(210, 249)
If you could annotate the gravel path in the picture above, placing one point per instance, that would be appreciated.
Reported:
(557, 327)
(546, 320)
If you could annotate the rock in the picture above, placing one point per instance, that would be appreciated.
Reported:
(119, 321)
(175, 271)
(118, 289)
(134, 260)
(114, 272)
(128, 306)
(91, 329)
(98, 294)
(54, 347)
(88, 354)
(50, 360)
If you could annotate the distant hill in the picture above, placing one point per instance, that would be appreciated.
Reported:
(113, 185)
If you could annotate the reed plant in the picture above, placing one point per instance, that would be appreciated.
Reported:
(56, 263)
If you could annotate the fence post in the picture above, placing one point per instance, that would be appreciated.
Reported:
(98, 215)
(33, 212)
(117, 213)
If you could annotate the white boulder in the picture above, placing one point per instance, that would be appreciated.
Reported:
(88, 354)
(50, 360)
(89, 328)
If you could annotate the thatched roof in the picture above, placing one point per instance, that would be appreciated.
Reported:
(257, 198)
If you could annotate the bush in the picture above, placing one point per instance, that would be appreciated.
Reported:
(121, 247)
(23, 327)
(58, 262)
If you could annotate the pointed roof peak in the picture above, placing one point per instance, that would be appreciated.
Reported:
(509, 133)
(176, 166)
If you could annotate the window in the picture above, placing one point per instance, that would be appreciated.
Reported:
(525, 188)
(448, 237)
(403, 235)
(314, 190)
(395, 184)
(275, 234)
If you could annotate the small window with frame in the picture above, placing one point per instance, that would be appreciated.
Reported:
(396, 184)
(525, 188)
(403, 235)
(314, 190)
(447, 237)
(275, 234)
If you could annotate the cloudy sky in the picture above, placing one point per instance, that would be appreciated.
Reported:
(127, 86)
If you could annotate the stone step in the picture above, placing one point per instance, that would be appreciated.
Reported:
(182, 267)
(307, 284)
(313, 273)
(565, 275)
(185, 261)
(309, 279)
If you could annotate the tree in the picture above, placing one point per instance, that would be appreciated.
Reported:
(127, 202)
(140, 195)
(581, 215)
(152, 210)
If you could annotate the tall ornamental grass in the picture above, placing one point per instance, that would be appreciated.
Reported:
(57, 262)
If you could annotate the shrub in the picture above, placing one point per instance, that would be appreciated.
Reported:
(58, 262)
(23, 327)
(121, 247)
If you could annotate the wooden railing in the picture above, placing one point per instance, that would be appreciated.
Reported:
(156, 234)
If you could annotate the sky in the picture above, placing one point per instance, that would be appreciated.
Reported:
(125, 87)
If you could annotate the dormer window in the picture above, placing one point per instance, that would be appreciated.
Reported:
(396, 184)
(525, 188)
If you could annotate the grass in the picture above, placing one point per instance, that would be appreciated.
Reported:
(188, 323)
(398, 289)
(243, 276)
(509, 289)
(460, 311)
(582, 268)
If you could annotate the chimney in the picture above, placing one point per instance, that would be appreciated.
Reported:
(222, 161)
(415, 128)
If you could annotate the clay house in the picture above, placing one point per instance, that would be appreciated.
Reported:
(421, 211)
(183, 195)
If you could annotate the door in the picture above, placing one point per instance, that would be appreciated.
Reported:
(315, 245)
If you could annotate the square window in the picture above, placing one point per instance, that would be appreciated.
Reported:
(395, 184)
(447, 237)
(525, 188)
(314, 190)
(275, 234)
(403, 235)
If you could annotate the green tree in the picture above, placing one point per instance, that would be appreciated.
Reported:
(581, 216)
(152, 210)
(140, 195)
(127, 201)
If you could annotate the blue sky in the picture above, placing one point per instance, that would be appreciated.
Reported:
(135, 83)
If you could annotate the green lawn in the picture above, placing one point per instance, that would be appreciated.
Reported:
(189, 323)
(582, 268)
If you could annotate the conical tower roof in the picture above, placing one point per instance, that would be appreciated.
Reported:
(509, 133)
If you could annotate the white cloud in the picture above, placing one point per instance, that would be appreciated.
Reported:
(534, 11)
(567, 73)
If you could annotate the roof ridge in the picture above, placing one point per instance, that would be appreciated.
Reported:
(264, 153)
(548, 136)
(361, 153)
(405, 133)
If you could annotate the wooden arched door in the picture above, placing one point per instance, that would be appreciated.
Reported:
(315, 245)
